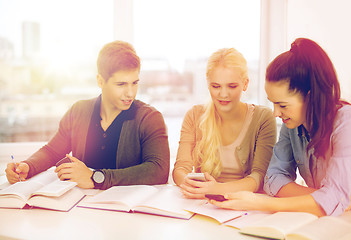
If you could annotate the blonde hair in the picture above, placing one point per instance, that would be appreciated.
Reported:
(207, 150)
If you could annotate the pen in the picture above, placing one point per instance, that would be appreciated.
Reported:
(19, 177)
(239, 216)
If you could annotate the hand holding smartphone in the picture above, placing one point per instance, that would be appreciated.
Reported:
(63, 160)
(197, 176)
(216, 197)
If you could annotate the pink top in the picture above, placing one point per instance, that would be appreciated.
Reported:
(231, 167)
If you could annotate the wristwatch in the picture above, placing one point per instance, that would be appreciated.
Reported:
(98, 178)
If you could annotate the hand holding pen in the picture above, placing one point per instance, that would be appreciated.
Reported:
(16, 164)
(16, 171)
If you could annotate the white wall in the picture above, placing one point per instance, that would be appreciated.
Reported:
(328, 23)
(273, 38)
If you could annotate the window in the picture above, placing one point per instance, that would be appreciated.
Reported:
(174, 40)
(48, 51)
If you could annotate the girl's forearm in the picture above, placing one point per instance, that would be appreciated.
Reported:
(244, 184)
(178, 176)
(293, 190)
(304, 203)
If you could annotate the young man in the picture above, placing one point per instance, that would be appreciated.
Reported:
(114, 139)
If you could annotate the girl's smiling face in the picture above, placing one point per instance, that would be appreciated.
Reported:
(289, 106)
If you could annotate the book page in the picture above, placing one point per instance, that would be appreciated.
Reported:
(346, 237)
(18, 193)
(5, 185)
(324, 228)
(121, 195)
(45, 177)
(346, 216)
(170, 201)
(277, 225)
(64, 202)
(247, 219)
(55, 188)
(21, 189)
(219, 214)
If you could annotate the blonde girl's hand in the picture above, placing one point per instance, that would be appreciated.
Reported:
(197, 189)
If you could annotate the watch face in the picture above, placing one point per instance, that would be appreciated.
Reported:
(98, 177)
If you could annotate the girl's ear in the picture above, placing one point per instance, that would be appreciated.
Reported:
(246, 84)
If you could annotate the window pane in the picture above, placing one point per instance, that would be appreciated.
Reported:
(174, 40)
(48, 51)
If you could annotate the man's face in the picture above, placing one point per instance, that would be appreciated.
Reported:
(119, 91)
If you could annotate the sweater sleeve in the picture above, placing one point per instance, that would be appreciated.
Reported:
(54, 150)
(266, 137)
(184, 161)
(70, 134)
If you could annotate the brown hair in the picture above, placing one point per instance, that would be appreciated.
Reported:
(310, 72)
(117, 56)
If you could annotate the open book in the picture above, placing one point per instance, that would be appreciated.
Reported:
(44, 190)
(297, 226)
(221, 215)
(164, 200)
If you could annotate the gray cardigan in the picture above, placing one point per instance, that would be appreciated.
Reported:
(142, 154)
(254, 152)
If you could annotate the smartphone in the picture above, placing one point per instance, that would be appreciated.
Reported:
(197, 176)
(217, 197)
(63, 160)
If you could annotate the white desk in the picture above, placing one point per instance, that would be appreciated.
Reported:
(84, 223)
(81, 223)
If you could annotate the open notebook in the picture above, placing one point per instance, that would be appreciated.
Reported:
(44, 190)
(164, 200)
